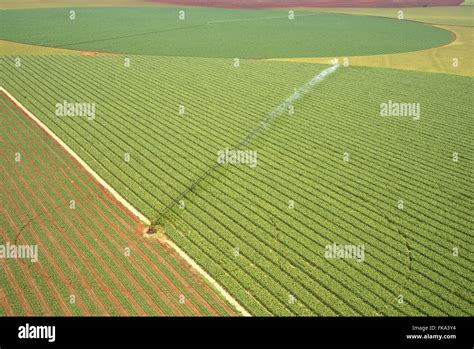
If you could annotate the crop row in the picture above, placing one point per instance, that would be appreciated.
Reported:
(175, 175)
(96, 226)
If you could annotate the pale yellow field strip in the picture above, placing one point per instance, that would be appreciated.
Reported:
(454, 15)
(17, 49)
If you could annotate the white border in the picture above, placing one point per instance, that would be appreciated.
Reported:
(132, 209)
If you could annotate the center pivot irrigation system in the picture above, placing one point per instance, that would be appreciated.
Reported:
(260, 127)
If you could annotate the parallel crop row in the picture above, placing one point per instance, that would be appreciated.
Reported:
(281, 250)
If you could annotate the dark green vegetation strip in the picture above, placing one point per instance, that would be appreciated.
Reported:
(217, 32)
(408, 252)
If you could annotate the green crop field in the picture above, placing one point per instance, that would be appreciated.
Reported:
(247, 185)
(217, 32)
(409, 251)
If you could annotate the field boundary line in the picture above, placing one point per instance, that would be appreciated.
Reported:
(126, 204)
(71, 152)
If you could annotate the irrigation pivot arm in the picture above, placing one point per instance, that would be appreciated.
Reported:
(262, 125)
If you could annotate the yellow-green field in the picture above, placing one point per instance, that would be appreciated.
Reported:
(436, 15)
(15, 48)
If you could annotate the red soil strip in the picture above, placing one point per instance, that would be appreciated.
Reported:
(61, 173)
(249, 4)
(94, 53)
(454, 37)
